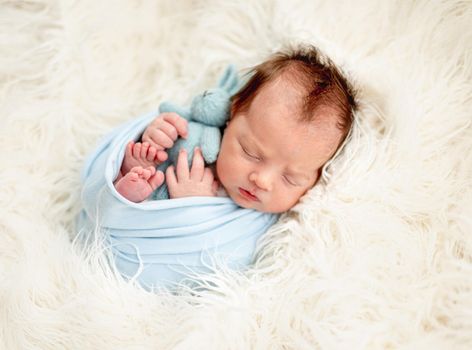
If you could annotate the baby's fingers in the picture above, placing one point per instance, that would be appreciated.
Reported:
(148, 172)
(156, 180)
(159, 139)
(144, 150)
(183, 172)
(208, 176)
(214, 186)
(151, 153)
(161, 156)
(178, 122)
(171, 180)
(198, 165)
(129, 149)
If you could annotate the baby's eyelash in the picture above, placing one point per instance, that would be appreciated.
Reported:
(249, 154)
(289, 181)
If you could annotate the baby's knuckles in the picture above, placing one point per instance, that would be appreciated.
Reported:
(179, 123)
(199, 183)
(191, 188)
(174, 125)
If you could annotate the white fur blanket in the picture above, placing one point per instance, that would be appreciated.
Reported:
(379, 257)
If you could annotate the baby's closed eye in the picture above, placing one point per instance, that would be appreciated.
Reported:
(249, 153)
(290, 180)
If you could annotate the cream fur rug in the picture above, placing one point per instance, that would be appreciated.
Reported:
(377, 257)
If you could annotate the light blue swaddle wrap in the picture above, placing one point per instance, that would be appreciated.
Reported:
(162, 241)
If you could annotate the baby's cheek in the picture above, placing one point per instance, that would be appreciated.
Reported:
(293, 197)
(221, 169)
(226, 160)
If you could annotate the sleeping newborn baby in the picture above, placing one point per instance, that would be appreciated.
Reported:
(286, 122)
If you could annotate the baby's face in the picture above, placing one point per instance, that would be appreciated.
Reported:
(268, 158)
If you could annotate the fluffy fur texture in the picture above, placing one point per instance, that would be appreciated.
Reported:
(377, 256)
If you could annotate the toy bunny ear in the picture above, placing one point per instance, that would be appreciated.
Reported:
(230, 81)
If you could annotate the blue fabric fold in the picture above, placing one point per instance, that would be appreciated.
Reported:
(161, 242)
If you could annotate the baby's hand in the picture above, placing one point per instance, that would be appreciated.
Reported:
(198, 181)
(164, 130)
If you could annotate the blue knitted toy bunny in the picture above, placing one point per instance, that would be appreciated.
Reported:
(208, 112)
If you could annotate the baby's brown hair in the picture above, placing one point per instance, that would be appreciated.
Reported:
(325, 85)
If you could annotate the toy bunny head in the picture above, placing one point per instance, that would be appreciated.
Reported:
(212, 108)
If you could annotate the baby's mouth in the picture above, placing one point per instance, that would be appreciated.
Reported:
(248, 195)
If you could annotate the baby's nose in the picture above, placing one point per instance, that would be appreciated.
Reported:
(262, 180)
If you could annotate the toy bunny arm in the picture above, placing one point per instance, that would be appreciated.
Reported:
(210, 144)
